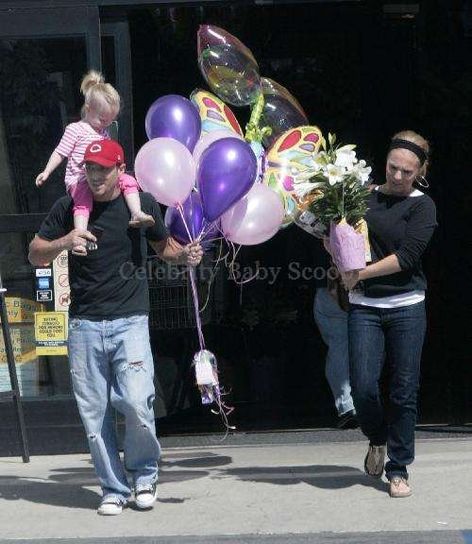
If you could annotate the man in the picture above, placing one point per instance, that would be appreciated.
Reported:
(332, 324)
(109, 350)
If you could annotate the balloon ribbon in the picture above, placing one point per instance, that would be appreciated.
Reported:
(254, 133)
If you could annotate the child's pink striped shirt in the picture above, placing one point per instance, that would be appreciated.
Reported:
(76, 138)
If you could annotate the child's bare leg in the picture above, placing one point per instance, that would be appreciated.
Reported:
(138, 217)
(81, 221)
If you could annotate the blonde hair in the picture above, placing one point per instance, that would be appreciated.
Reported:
(414, 137)
(95, 89)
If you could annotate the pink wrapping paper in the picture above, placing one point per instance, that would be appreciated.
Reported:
(347, 247)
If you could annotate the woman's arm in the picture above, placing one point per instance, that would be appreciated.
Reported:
(419, 230)
(388, 265)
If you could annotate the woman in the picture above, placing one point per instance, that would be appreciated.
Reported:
(387, 319)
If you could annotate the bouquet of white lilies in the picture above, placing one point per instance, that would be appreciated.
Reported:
(333, 192)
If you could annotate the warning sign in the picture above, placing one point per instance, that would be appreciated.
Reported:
(62, 260)
(50, 329)
(61, 282)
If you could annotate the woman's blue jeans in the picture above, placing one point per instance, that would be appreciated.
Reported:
(112, 367)
(400, 333)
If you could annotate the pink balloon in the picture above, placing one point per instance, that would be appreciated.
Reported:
(255, 218)
(165, 168)
(210, 137)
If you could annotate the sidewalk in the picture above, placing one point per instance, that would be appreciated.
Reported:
(297, 492)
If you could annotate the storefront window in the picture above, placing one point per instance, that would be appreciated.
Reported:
(39, 80)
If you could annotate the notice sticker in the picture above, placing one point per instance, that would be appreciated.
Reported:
(50, 330)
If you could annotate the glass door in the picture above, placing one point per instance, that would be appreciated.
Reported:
(44, 54)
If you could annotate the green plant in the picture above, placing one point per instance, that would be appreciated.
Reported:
(335, 186)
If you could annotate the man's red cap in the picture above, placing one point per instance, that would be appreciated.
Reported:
(106, 153)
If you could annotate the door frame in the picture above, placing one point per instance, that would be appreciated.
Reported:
(119, 31)
(47, 22)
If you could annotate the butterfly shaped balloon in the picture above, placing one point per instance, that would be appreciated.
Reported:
(214, 113)
(290, 155)
(228, 66)
(281, 111)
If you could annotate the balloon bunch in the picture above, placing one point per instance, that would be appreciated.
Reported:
(278, 130)
(216, 181)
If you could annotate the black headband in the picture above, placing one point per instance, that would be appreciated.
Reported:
(414, 148)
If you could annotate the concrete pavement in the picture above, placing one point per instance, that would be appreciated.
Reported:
(221, 492)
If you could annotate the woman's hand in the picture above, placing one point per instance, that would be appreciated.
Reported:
(350, 279)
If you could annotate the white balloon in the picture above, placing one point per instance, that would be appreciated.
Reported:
(255, 218)
(165, 168)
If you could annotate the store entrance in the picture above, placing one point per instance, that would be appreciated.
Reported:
(44, 54)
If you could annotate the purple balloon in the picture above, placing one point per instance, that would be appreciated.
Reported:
(226, 171)
(173, 116)
(193, 214)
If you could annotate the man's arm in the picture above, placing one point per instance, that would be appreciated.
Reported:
(42, 251)
(171, 251)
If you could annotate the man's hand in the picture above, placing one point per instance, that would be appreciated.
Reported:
(193, 253)
(77, 240)
(350, 279)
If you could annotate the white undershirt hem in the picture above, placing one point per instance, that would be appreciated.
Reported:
(394, 301)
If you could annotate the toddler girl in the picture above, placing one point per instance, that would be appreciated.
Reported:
(100, 109)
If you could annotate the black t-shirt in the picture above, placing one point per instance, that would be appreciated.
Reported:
(109, 282)
(402, 226)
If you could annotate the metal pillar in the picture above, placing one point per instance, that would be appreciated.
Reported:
(14, 393)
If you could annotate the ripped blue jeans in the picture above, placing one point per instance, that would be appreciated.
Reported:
(111, 367)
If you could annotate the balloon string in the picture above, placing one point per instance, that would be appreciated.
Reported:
(198, 321)
(181, 211)
(214, 239)
(202, 231)
(213, 274)
(253, 132)
(221, 258)
(233, 262)
(223, 411)
(206, 228)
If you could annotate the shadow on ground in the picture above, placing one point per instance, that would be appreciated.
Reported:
(322, 476)
(68, 487)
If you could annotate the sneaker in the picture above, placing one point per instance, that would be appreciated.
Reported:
(141, 219)
(399, 487)
(374, 461)
(111, 506)
(145, 496)
(348, 420)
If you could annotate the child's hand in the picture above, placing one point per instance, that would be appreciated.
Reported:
(41, 178)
